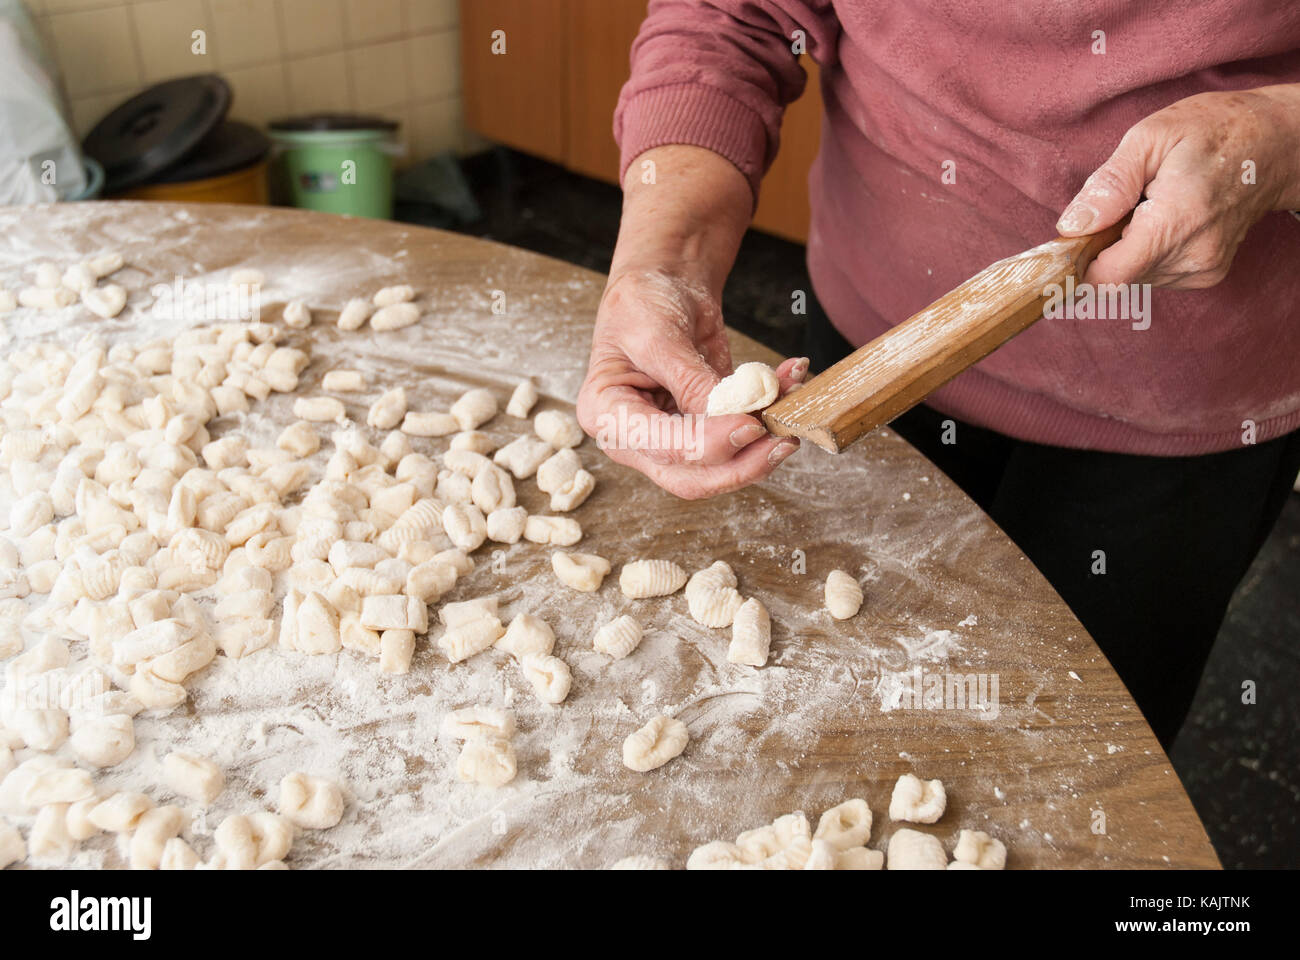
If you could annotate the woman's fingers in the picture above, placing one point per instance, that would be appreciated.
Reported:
(1116, 186)
(698, 481)
(620, 418)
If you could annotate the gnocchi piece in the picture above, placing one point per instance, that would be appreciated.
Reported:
(843, 595)
(78, 823)
(846, 825)
(618, 638)
(718, 855)
(396, 647)
(752, 387)
(105, 263)
(581, 571)
(492, 489)
(555, 531)
(394, 612)
(316, 626)
(821, 856)
(152, 831)
(155, 692)
(523, 455)
(178, 855)
(489, 761)
(387, 296)
(12, 846)
(193, 776)
(30, 513)
(104, 741)
(388, 411)
(395, 316)
(711, 595)
(320, 410)
(343, 381)
(549, 675)
(120, 813)
(650, 578)
(313, 803)
(558, 471)
(475, 441)
(506, 525)
(429, 424)
(474, 408)
(470, 722)
(79, 277)
(859, 858)
(247, 275)
(916, 800)
(558, 428)
(296, 316)
(522, 400)
(527, 635)
(574, 493)
(466, 526)
(659, 741)
(978, 849)
(751, 634)
(49, 839)
(466, 462)
(46, 298)
(249, 842)
(229, 451)
(913, 850)
(354, 314)
(463, 640)
(429, 580)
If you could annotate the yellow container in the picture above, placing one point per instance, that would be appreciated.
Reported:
(248, 185)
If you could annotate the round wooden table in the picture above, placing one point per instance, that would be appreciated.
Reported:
(1049, 753)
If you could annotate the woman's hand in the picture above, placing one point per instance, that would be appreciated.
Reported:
(660, 346)
(1210, 166)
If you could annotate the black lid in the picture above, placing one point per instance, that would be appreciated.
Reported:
(332, 121)
(229, 147)
(156, 128)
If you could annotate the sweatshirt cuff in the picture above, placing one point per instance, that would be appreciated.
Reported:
(698, 116)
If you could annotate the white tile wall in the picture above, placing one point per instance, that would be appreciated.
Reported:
(399, 58)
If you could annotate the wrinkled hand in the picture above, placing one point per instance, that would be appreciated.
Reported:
(1188, 160)
(659, 347)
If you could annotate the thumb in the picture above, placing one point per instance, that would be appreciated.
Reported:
(1116, 186)
(675, 364)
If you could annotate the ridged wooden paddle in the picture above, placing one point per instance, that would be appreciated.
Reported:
(899, 368)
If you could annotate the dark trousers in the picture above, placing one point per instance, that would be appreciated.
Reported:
(1178, 533)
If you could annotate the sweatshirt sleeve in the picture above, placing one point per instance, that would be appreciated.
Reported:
(718, 74)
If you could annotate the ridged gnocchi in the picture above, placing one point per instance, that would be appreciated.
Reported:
(659, 741)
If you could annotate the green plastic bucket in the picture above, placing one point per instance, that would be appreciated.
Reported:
(335, 164)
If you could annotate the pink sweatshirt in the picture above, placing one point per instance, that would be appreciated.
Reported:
(1013, 95)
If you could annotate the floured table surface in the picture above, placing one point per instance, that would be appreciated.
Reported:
(1063, 750)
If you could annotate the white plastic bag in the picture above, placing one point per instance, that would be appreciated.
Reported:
(40, 159)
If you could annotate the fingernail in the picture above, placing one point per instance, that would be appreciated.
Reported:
(781, 451)
(800, 369)
(1077, 217)
(744, 436)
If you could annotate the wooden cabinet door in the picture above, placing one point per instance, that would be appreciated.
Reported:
(517, 97)
(601, 33)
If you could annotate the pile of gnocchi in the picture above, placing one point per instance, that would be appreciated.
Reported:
(139, 548)
(841, 838)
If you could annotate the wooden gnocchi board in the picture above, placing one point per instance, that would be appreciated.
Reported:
(1064, 771)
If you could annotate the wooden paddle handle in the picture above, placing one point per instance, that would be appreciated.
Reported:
(899, 368)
